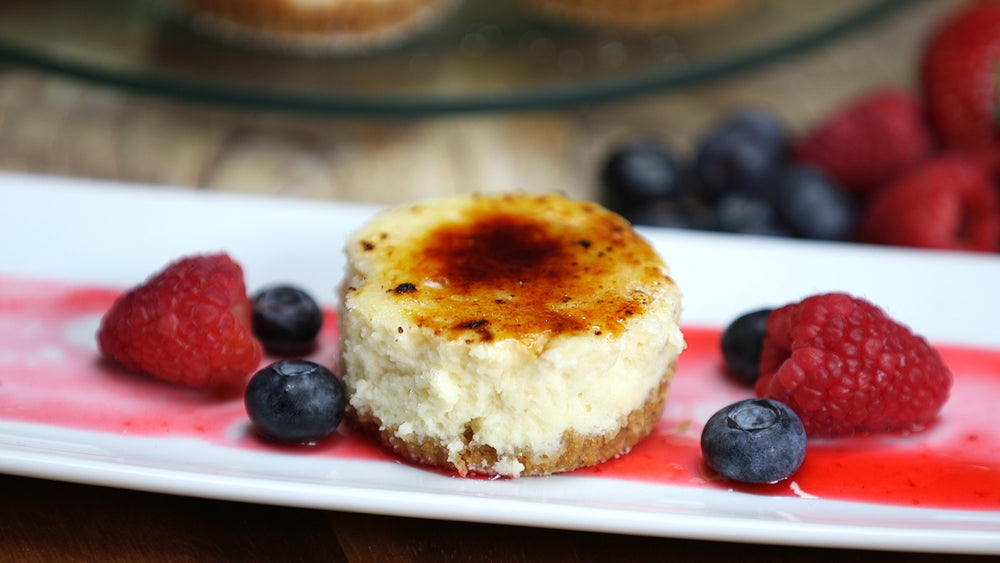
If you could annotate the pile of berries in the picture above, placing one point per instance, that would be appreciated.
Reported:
(895, 166)
(829, 365)
(193, 324)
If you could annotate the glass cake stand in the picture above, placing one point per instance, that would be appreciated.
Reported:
(488, 55)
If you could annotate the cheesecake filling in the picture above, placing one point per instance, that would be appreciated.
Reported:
(504, 324)
(414, 382)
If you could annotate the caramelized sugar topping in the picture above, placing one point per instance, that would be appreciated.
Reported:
(496, 251)
(531, 273)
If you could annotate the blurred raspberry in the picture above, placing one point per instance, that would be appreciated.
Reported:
(946, 203)
(959, 80)
(869, 141)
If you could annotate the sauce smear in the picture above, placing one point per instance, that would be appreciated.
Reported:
(51, 373)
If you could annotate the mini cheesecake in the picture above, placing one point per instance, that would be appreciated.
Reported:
(638, 15)
(508, 334)
(312, 26)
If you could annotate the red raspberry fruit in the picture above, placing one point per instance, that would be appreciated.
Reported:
(188, 324)
(946, 203)
(959, 80)
(845, 367)
(869, 141)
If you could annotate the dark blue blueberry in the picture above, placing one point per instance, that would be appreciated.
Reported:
(295, 401)
(739, 153)
(286, 320)
(813, 206)
(742, 342)
(658, 214)
(699, 214)
(754, 441)
(639, 171)
(748, 214)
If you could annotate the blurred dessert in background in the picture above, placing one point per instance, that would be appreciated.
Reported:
(636, 15)
(312, 26)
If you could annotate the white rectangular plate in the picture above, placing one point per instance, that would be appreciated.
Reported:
(99, 233)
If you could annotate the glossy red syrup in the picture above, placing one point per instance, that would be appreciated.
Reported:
(51, 373)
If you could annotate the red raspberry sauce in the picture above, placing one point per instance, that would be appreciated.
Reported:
(51, 373)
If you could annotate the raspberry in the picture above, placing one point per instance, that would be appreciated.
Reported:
(959, 80)
(845, 367)
(188, 324)
(946, 203)
(871, 140)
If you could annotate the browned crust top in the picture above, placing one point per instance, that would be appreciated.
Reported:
(523, 267)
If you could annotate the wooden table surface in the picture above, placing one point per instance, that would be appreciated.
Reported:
(58, 125)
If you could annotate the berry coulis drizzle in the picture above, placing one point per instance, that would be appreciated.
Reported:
(51, 373)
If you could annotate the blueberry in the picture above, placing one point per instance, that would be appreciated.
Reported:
(754, 441)
(639, 171)
(813, 206)
(748, 214)
(742, 342)
(739, 153)
(684, 208)
(286, 320)
(658, 214)
(295, 401)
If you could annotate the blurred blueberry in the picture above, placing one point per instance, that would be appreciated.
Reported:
(747, 214)
(737, 154)
(661, 213)
(679, 214)
(813, 206)
(639, 171)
